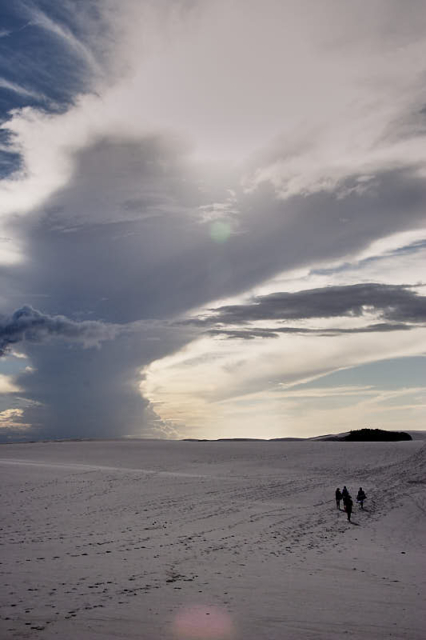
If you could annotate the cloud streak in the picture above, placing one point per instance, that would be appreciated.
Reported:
(23, 91)
(40, 19)
(399, 304)
(251, 334)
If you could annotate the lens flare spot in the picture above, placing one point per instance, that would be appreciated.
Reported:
(201, 622)
(220, 231)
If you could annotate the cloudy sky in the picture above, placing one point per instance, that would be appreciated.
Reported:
(212, 217)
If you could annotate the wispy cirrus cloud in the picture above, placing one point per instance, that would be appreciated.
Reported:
(39, 18)
(21, 90)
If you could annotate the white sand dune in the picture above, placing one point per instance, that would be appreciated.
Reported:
(215, 540)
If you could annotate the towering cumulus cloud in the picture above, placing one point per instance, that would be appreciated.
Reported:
(180, 182)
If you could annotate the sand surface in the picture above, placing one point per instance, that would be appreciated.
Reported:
(217, 541)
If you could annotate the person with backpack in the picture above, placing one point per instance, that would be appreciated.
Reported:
(338, 497)
(361, 497)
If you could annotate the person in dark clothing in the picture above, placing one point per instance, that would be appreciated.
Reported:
(345, 497)
(348, 506)
(361, 497)
(338, 497)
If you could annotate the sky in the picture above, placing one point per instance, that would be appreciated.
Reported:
(212, 218)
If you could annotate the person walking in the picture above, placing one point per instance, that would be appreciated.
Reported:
(338, 497)
(345, 497)
(348, 506)
(361, 497)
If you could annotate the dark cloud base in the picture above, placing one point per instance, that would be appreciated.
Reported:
(397, 304)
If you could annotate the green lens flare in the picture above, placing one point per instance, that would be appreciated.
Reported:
(220, 231)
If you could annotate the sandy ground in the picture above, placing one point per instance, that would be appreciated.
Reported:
(215, 541)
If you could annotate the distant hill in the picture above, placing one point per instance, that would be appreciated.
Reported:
(374, 435)
(368, 435)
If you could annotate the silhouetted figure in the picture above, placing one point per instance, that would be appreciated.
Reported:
(345, 497)
(348, 506)
(338, 497)
(361, 497)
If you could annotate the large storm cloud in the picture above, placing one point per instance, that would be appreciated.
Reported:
(133, 201)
